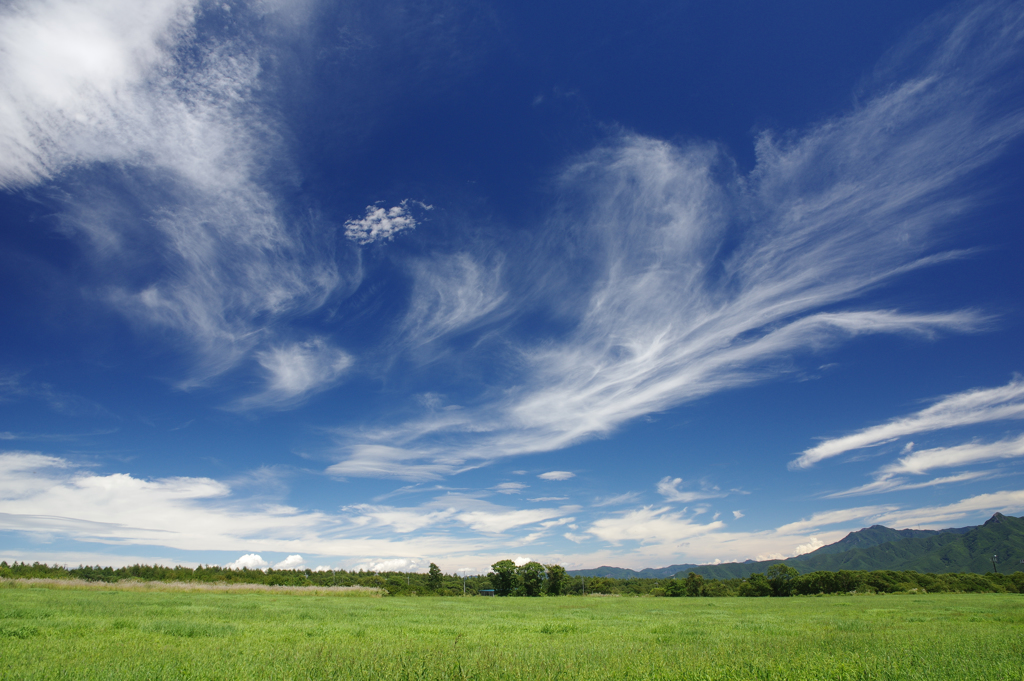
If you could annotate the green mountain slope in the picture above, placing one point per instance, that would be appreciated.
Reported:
(960, 549)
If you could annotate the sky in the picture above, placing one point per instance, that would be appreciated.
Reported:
(369, 285)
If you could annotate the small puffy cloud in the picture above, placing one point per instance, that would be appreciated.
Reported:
(556, 475)
(576, 538)
(520, 560)
(251, 561)
(323, 568)
(509, 487)
(737, 514)
(293, 562)
(381, 224)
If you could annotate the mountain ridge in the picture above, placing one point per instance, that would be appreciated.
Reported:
(955, 549)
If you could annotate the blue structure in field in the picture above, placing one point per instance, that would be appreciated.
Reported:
(486, 592)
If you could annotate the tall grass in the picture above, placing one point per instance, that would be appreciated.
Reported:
(110, 633)
(140, 585)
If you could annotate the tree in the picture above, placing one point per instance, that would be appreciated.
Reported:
(675, 588)
(695, 585)
(780, 576)
(556, 577)
(504, 577)
(531, 577)
(434, 577)
(756, 585)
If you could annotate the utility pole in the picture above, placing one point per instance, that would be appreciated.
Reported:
(994, 563)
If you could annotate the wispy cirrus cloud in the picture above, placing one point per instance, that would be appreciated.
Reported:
(557, 475)
(144, 124)
(892, 477)
(668, 487)
(894, 484)
(970, 407)
(451, 294)
(296, 371)
(677, 277)
(650, 525)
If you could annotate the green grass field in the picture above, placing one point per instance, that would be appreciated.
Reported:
(108, 633)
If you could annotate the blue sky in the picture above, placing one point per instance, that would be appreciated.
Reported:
(370, 285)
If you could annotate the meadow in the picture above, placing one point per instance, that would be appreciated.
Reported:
(63, 631)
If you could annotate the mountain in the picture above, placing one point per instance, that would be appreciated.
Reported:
(956, 549)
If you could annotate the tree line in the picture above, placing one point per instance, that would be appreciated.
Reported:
(534, 579)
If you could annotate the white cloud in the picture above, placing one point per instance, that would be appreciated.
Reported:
(616, 500)
(41, 497)
(520, 560)
(402, 520)
(556, 523)
(252, 561)
(979, 405)
(501, 521)
(394, 462)
(812, 545)
(894, 484)
(293, 562)
(649, 525)
(323, 568)
(381, 224)
(924, 460)
(834, 517)
(509, 487)
(737, 514)
(685, 280)
(202, 514)
(392, 565)
(296, 371)
(451, 294)
(159, 160)
(556, 475)
(68, 67)
(668, 487)
(538, 499)
(1010, 502)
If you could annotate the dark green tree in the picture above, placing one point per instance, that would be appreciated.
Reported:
(695, 585)
(756, 585)
(675, 588)
(504, 577)
(531, 577)
(780, 576)
(556, 579)
(434, 578)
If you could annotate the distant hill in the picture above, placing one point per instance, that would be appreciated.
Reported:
(957, 549)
